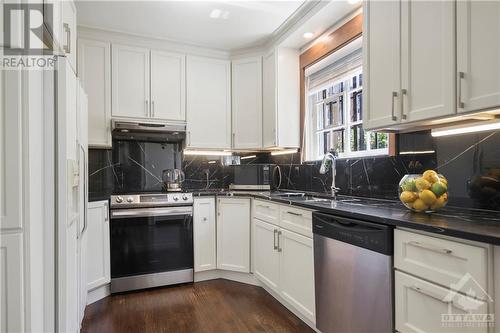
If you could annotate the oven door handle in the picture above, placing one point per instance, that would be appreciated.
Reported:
(149, 212)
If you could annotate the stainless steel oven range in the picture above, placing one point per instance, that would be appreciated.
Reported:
(151, 240)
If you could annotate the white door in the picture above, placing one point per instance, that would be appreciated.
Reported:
(98, 253)
(428, 59)
(381, 63)
(297, 272)
(266, 257)
(269, 107)
(478, 55)
(419, 307)
(233, 234)
(130, 82)
(94, 70)
(208, 103)
(247, 103)
(168, 86)
(204, 234)
(69, 32)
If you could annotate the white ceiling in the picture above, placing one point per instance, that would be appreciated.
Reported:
(248, 23)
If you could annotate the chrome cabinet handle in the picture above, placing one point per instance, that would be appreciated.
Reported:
(403, 93)
(275, 233)
(428, 293)
(234, 139)
(152, 109)
(279, 246)
(189, 138)
(394, 95)
(434, 249)
(461, 76)
(67, 30)
(146, 111)
(293, 213)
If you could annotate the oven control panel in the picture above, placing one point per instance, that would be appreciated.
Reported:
(151, 200)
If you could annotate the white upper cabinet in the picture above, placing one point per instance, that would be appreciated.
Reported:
(208, 84)
(281, 98)
(130, 81)
(381, 63)
(478, 54)
(168, 82)
(233, 234)
(94, 70)
(428, 59)
(69, 32)
(409, 62)
(247, 103)
(204, 234)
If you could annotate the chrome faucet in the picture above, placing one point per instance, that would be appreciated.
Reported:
(331, 157)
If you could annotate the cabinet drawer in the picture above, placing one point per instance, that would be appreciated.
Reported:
(441, 261)
(423, 307)
(266, 211)
(296, 219)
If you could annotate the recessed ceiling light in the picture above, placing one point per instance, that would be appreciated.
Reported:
(308, 34)
(219, 14)
(353, 2)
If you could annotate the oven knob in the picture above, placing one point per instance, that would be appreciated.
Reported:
(176, 198)
(184, 197)
(119, 199)
(130, 200)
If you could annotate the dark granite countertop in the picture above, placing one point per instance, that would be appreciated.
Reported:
(472, 224)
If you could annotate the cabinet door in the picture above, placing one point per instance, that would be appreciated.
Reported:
(266, 258)
(69, 32)
(478, 51)
(381, 63)
(428, 59)
(168, 82)
(208, 103)
(233, 234)
(94, 69)
(419, 307)
(98, 264)
(130, 82)
(247, 103)
(297, 272)
(11, 283)
(269, 107)
(204, 233)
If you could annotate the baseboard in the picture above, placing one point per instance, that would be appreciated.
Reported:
(98, 293)
(247, 278)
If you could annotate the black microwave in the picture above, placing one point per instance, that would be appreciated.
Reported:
(255, 177)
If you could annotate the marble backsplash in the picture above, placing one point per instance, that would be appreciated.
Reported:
(471, 163)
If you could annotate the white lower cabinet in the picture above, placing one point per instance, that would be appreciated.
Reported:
(425, 307)
(233, 234)
(98, 251)
(283, 261)
(266, 258)
(204, 234)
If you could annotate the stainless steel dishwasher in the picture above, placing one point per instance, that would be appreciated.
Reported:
(353, 275)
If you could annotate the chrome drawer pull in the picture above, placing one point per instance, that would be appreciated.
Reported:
(437, 297)
(434, 249)
(293, 213)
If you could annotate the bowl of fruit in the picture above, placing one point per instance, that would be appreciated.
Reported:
(425, 192)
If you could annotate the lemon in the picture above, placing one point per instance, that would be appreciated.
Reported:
(444, 196)
(439, 189)
(428, 197)
(440, 202)
(422, 184)
(408, 196)
(431, 176)
(419, 205)
(443, 180)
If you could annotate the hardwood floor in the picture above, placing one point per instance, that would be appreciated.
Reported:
(209, 306)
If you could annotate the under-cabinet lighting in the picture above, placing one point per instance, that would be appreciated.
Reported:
(207, 153)
(212, 162)
(284, 152)
(248, 157)
(417, 152)
(464, 129)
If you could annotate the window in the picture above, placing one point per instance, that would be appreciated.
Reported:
(334, 117)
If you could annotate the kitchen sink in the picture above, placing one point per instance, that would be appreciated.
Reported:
(289, 195)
